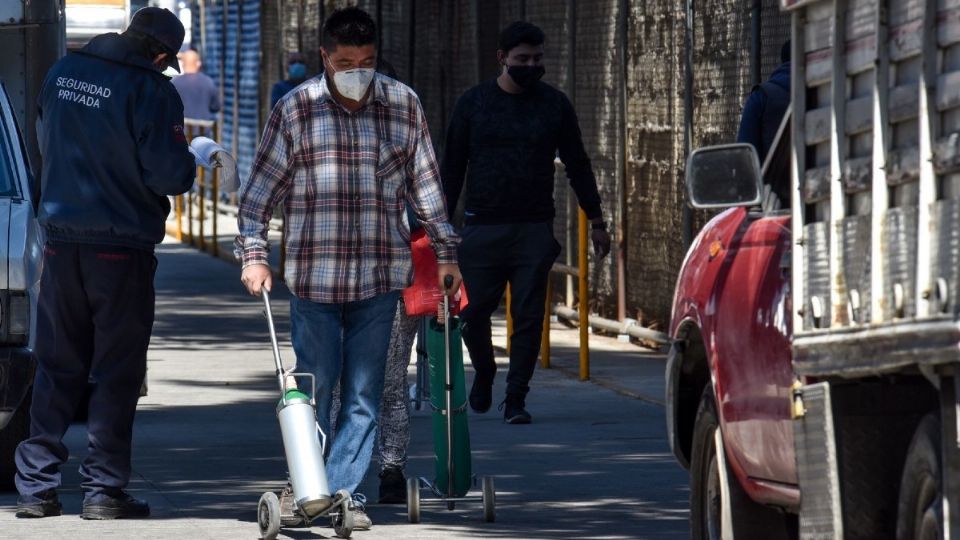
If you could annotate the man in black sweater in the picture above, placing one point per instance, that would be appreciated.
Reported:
(507, 132)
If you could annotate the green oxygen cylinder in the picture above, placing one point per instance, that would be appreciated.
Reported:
(460, 439)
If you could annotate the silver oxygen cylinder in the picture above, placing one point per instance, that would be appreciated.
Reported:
(301, 443)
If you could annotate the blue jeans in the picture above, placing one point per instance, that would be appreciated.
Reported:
(347, 343)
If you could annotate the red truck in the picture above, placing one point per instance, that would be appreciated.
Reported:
(813, 383)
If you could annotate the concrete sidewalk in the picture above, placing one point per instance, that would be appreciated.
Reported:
(593, 465)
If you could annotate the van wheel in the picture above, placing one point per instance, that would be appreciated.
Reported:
(711, 494)
(920, 509)
(16, 431)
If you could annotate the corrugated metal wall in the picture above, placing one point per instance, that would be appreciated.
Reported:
(230, 46)
(622, 64)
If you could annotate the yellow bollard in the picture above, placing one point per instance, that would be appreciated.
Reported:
(201, 185)
(216, 214)
(178, 201)
(190, 216)
(584, 298)
(545, 338)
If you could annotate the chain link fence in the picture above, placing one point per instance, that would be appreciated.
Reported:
(623, 65)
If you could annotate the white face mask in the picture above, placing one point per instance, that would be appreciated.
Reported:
(353, 83)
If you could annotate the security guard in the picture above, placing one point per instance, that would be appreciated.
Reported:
(111, 134)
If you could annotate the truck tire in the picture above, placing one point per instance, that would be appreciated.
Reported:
(16, 431)
(747, 519)
(920, 508)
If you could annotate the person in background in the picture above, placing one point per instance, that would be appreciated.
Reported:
(200, 96)
(503, 138)
(296, 75)
(764, 109)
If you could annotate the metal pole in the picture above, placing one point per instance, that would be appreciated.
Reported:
(572, 94)
(755, 42)
(178, 200)
(201, 186)
(238, 44)
(379, 12)
(203, 26)
(448, 384)
(216, 213)
(687, 216)
(223, 64)
(584, 300)
(189, 130)
(509, 318)
(412, 41)
(620, 230)
(545, 337)
(190, 216)
(273, 336)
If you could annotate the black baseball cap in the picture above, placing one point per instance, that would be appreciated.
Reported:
(162, 25)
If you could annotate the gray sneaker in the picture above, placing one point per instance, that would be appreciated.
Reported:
(361, 521)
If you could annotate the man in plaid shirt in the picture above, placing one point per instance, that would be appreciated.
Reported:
(343, 154)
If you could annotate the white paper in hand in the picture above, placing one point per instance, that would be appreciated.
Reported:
(211, 155)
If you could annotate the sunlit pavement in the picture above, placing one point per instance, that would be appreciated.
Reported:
(594, 464)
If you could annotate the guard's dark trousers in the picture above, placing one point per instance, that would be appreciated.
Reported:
(490, 256)
(94, 318)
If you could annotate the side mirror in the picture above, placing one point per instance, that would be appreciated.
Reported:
(724, 176)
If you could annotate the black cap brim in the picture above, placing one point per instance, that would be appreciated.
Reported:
(173, 61)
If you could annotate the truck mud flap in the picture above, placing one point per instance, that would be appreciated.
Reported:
(820, 509)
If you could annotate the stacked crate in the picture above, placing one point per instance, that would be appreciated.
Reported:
(876, 98)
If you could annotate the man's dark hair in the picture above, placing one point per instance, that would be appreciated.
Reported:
(147, 45)
(520, 32)
(349, 26)
(785, 52)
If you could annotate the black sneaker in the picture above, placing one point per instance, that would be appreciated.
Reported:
(39, 507)
(513, 411)
(481, 395)
(123, 506)
(393, 486)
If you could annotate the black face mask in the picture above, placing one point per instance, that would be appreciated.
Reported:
(526, 76)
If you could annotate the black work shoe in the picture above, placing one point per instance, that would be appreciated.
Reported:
(513, 411)
(36, 507)
(123, 506)
(481, 395)
(393, 486)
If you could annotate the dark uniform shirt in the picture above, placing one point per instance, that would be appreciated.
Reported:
(111, 136)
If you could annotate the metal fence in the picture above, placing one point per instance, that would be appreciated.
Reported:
(642, 101)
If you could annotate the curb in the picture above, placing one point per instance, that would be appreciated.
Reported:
(613, 387)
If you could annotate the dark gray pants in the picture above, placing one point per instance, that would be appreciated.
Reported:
(94, 319)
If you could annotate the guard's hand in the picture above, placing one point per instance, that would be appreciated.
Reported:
(601, 242)
(449, 270)
(255, 277)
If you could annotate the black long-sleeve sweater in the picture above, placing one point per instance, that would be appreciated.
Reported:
(508, 142)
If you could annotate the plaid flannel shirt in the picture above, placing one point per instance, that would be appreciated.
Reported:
(344, 180)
